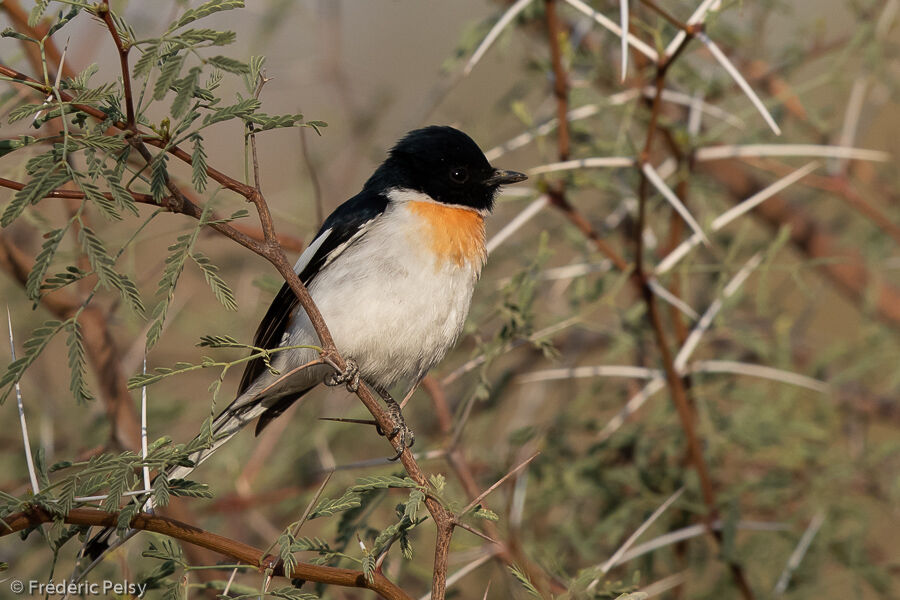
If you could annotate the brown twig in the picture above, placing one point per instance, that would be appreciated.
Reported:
(498, 483)
(560, 79)
(104, 13)
(313, 178)
(259, 86)
(233, 549)
(289, 242)
(666, 15)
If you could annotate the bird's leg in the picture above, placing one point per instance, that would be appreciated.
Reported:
(349, 376)
(407, 437)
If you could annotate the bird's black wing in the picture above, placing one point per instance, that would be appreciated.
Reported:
(341, 226)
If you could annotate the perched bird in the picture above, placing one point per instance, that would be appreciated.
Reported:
(392, 271)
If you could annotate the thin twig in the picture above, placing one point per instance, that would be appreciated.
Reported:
(699, 16)
(560, 78)
(498, 483)
(263, 80)
(672, 199)
(318, 198)
(584, 163)
(588, 372)
(295, 529)
(475, 532)
(663, 585)
(692, 531)
(760, 371)
(666, 15)
(103, 11)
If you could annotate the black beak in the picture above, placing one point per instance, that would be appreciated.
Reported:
(501, 177)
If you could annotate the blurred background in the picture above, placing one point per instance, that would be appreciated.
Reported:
(793, 386)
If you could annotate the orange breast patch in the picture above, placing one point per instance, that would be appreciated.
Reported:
(453, 234)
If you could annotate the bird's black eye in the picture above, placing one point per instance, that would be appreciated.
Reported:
(459, 174)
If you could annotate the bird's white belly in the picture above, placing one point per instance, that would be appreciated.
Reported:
(390, 303)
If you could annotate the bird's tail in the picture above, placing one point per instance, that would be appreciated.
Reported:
(244, 409)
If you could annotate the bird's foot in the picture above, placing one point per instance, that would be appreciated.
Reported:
(349, 376)
(407, 437)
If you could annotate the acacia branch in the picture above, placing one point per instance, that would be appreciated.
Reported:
(233, 549)
(219, 177)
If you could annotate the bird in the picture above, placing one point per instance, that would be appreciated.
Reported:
(392, 271)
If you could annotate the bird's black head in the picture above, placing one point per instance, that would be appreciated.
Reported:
(444, 163)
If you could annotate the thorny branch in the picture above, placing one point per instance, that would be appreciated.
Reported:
(639, 276)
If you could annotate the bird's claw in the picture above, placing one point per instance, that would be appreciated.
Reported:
(349, 376)
(407, 437)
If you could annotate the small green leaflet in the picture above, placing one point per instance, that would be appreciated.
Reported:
(328, 507)
(383, 482)
(42, 262)
(75, 343)
(198, 164)
(171, 68)
(229, 64)
(242, 109)
(219, 288)
(204, 10)
(41, 184)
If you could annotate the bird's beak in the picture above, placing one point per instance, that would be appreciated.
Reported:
(501, 177)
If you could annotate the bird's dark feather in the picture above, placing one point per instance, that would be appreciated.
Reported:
(344, 223)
